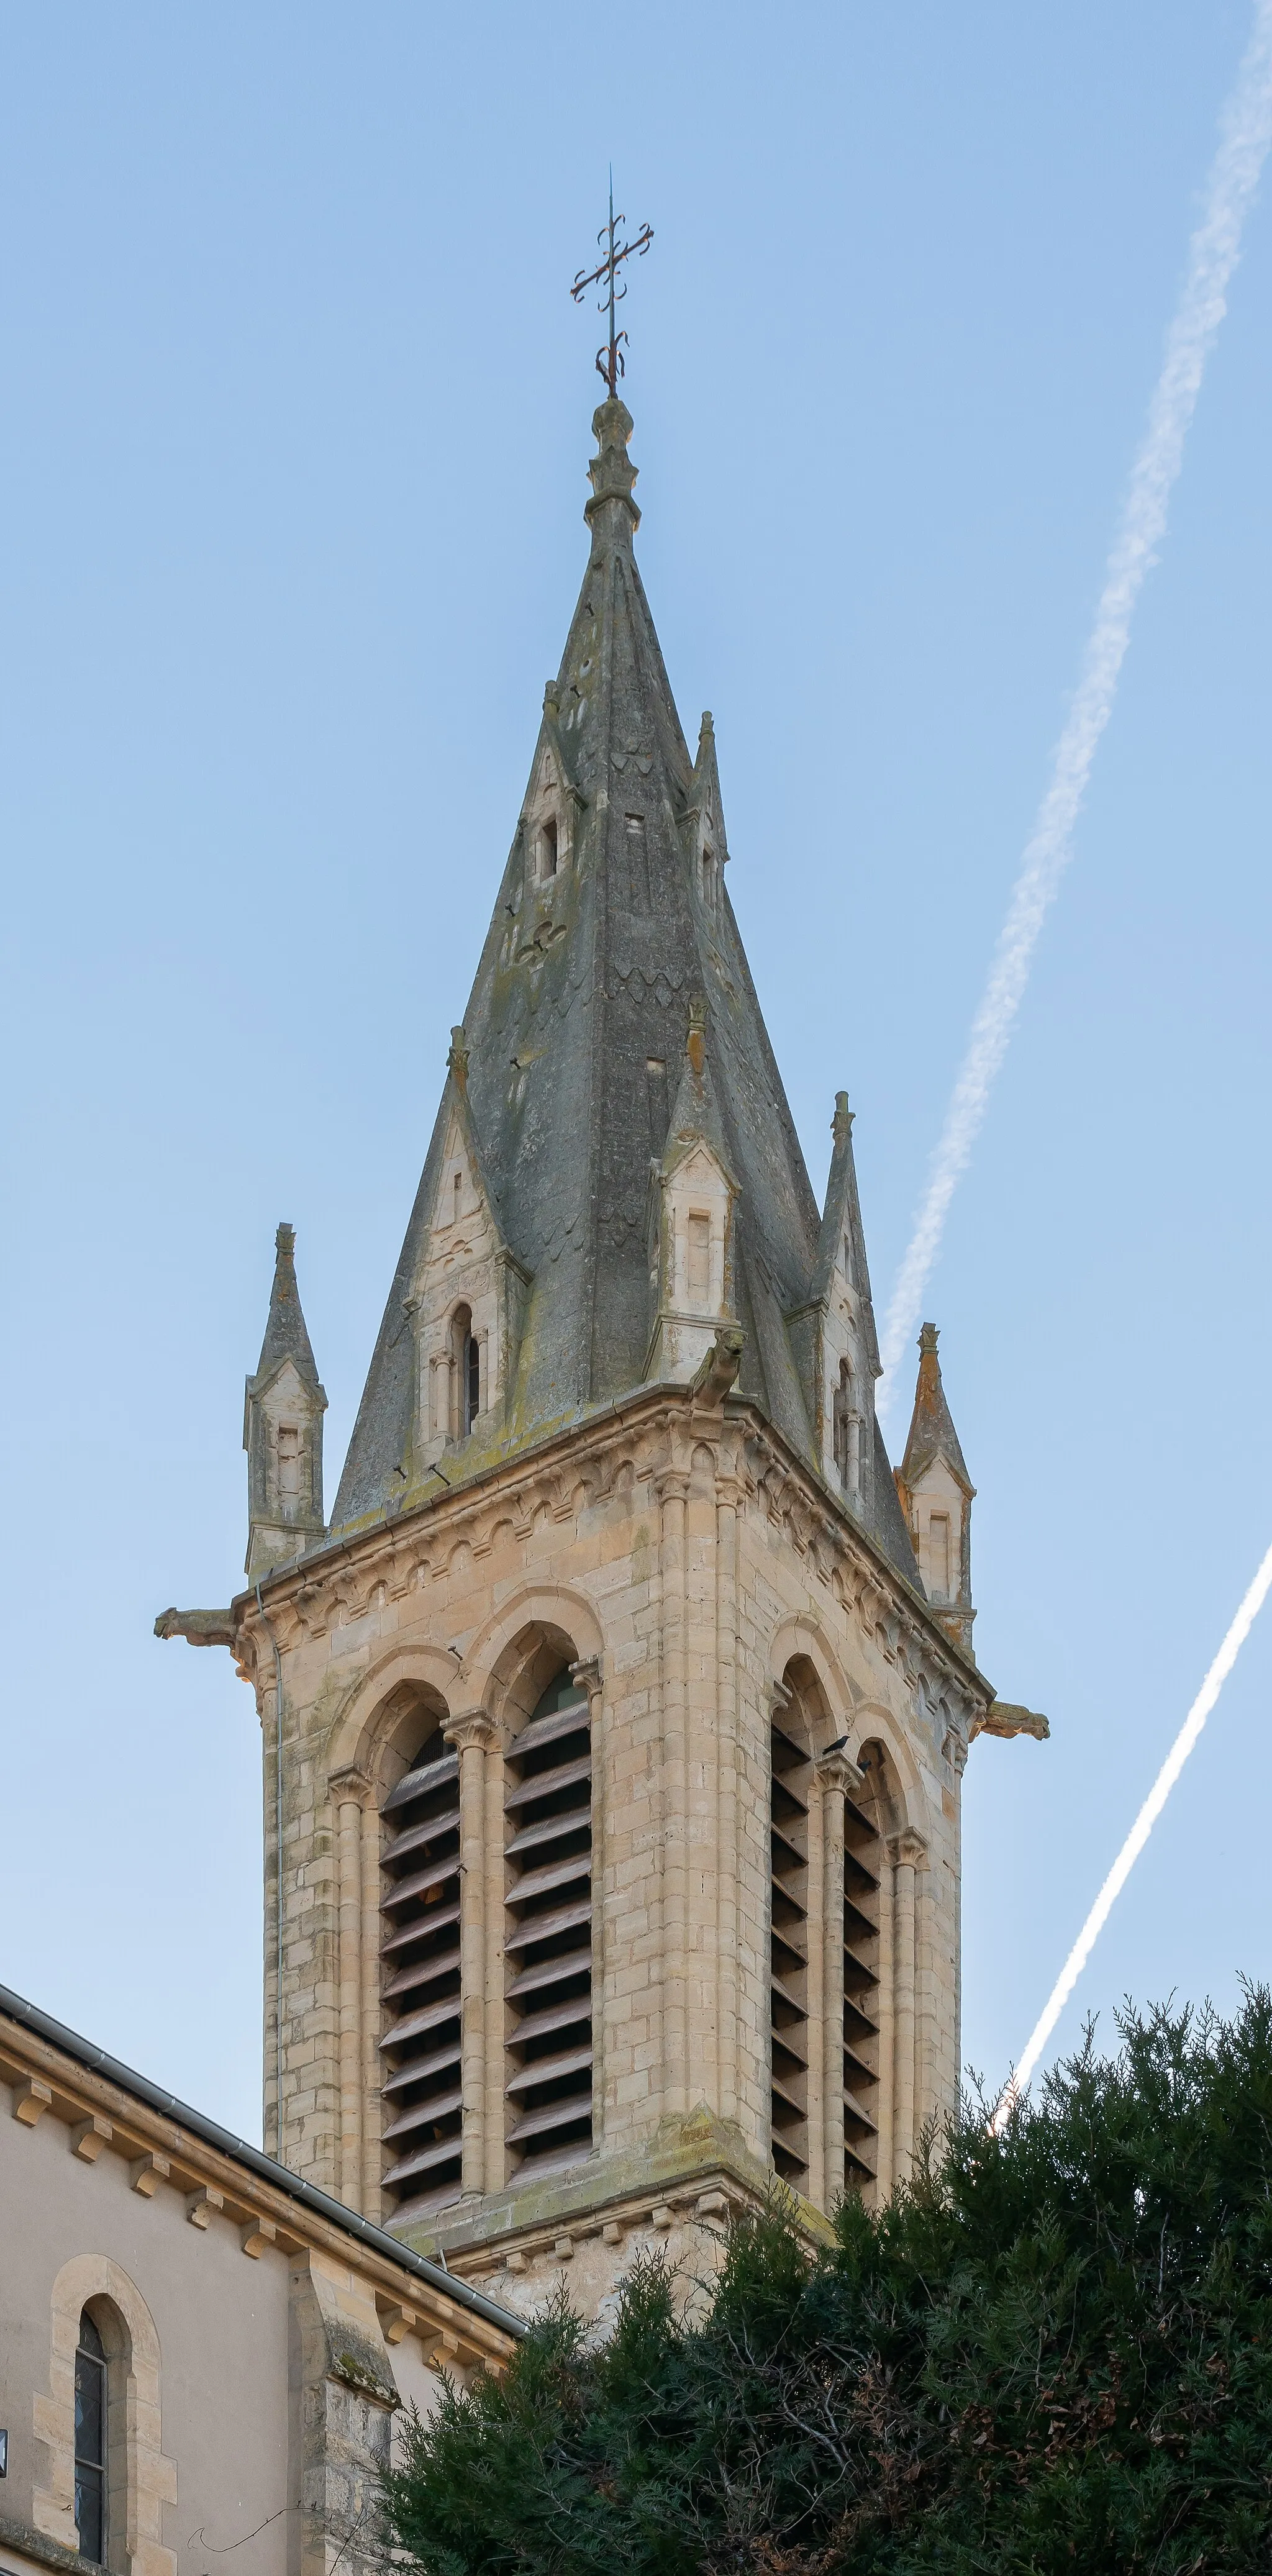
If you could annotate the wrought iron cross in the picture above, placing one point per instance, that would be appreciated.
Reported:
(610, 362)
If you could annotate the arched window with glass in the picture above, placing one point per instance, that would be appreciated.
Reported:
(92, 2415)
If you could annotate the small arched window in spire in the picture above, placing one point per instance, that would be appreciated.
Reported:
(90, 2442)
(845, 1430)
(289, 1461)
(549, 846)
(465, 1361)
(465, 1373)
(939, 1556)
(708, 877)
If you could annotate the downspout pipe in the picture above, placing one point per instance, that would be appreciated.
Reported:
(278, 1874)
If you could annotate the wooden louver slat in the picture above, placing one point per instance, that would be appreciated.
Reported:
(420, 1961)
(863, 1861)
(548, 1945)
(790, 1776)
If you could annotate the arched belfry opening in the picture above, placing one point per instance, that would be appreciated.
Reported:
(548, 1942)
(867, 1815)
(828, 1826)
(790, 1788)
(420, 2043)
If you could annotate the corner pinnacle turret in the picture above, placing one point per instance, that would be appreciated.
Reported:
(936, 1495)
(283, 1406)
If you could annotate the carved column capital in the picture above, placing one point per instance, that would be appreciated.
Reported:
(472, 1726)
(907, 1850)
(350, 1783)
(836, 1771)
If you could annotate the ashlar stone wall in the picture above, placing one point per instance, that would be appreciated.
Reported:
(687, 1565)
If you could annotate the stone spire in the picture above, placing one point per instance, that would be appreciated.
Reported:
(936, 1496)
(611, 921)
(283, 1408)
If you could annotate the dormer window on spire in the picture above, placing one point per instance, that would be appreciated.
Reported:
(547, 824)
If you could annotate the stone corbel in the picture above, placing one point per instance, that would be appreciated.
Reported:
(588, 1676)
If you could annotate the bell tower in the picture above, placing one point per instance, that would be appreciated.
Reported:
(612, 1743)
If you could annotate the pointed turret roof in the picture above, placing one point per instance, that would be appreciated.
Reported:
(932, 1432)
(286, 1333)
(841, 1223)
(575, 1035)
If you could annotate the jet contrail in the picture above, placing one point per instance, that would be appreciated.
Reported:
(1245, 132)
(1138, 1836)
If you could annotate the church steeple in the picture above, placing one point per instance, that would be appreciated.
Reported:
(283, 1406)
(611, 920)
(611, 1747)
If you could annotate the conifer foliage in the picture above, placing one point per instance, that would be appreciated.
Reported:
(1053, 2353)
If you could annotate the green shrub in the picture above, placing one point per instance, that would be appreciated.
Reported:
(1052, 2352)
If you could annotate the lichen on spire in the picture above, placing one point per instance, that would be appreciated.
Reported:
(286, 1333)
(612, 515)
(283, 1406)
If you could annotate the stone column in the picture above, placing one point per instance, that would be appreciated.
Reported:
(728, 2026)
(835, 1776)
(955, 1750)
(672, 1488)
(885, 2008)
(494, 1970)
(351, 1794)
(372, 2013)
(473, 1733)
(907, 1852)
(588, 1677)
(819, 2082)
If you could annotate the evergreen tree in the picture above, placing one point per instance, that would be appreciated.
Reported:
(1052, 2353)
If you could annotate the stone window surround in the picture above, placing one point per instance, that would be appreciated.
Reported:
(141, 2481)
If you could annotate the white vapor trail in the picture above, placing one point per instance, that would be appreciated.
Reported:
(1245, 132)
(1137, 1837)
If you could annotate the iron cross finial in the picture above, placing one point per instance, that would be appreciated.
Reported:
(609, 359)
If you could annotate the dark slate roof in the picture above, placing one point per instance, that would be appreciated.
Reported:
(575, 1037)
(286, 1333)
(932, 1432)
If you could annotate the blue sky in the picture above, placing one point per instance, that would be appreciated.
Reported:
(292, 450)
